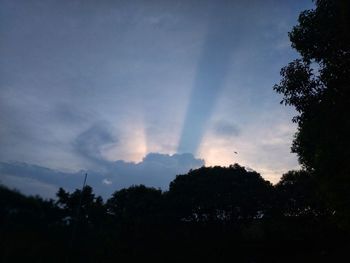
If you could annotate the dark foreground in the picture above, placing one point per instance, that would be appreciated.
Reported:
(219, 214)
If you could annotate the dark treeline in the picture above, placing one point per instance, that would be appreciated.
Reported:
(212, 213)
(217, 213)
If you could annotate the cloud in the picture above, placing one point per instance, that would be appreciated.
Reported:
(157, 72)
(156, 170)
(39, 173)
(89, 143)
(266, 149)
(69, 114)
(106, 181)
(29, 186)
(226, 129)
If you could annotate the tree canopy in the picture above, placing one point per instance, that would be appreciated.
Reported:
(318, 86)
(217, 193)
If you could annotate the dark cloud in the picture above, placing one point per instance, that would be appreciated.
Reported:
(226, 129)
(155, 170)
(69, 114)
(29, 186)
(35, 179)
(88, 144)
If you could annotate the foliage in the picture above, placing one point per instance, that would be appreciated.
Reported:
(216, 213)
(135, 204)
(219, 194)
(318, 86)
(298, 195)
(80, 206)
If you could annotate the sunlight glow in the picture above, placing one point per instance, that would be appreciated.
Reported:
(256, 149)
(131, 146)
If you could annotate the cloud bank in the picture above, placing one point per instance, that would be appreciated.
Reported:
(156, 170)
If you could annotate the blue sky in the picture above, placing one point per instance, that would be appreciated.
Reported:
(99, 85)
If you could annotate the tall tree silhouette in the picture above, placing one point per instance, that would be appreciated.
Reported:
(318, 86)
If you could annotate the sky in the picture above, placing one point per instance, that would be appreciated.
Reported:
(136, 92)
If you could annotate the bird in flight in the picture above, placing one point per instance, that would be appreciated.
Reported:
(236, 152)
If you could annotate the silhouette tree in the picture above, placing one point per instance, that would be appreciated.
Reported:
(219, 194)
(17, 209)
(137, 204)
(299, 196)
(28, 227)
(91, 210)
(318, 86)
